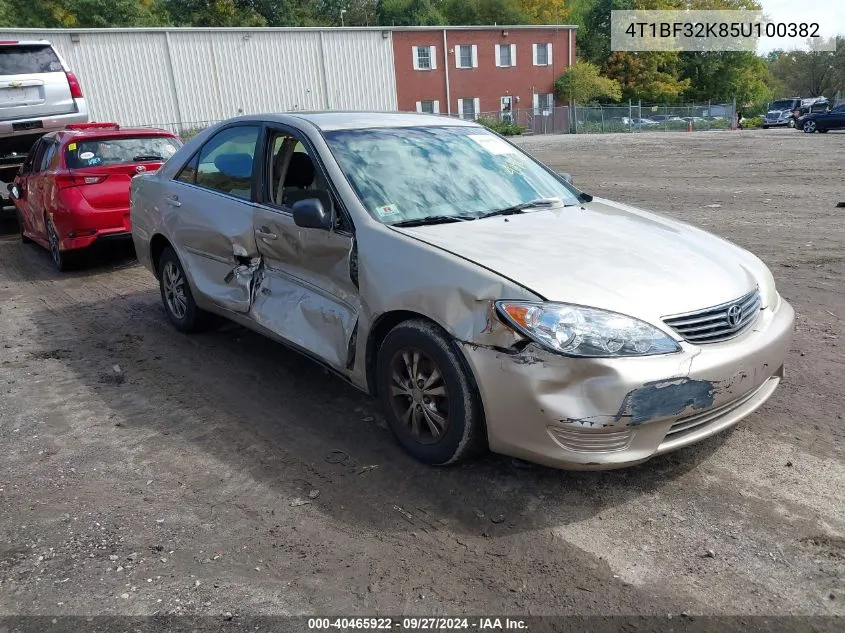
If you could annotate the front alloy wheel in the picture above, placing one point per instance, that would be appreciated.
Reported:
(428, 394)
(809, 127)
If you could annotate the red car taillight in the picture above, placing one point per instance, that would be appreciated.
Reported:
(65, 181)
(73, 82)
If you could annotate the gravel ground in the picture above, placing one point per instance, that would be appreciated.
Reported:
(146, 472)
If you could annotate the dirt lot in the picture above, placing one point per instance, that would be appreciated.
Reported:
(147, 472)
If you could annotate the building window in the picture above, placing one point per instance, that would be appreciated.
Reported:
(424, 57)
(432, 106)
(466, 56)
(543, 54)
(544, 103)
(505, 55)
(468, 108)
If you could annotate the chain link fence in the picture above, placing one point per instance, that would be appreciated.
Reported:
(633, 117)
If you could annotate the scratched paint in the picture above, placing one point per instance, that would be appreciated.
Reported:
(665, 398)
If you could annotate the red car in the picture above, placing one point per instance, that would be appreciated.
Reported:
(73, 188)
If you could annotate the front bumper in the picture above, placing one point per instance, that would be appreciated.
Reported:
(609, 413)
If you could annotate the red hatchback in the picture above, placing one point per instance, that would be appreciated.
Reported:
(73, 189)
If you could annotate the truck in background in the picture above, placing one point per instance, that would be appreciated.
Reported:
(38, 94)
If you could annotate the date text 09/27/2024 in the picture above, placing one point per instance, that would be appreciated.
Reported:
(417, 624)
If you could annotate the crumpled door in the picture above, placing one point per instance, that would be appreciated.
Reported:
(306, 293)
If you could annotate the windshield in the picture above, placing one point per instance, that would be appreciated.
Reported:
(783, 104)
(406, 174)
(114, 151)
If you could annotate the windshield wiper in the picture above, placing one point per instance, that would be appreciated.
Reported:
(434, 219)
(144, 157)
(521, 208)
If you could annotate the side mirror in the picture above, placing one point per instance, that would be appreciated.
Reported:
(15, 191)
(311, 214)
(565, 177)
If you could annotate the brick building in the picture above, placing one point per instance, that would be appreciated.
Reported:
(471, 70)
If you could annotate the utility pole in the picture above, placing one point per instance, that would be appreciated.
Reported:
(342, 11)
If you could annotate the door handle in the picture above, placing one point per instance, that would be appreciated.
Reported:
(265, 234)
(173, 201)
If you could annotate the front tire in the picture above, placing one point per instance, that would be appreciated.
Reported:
(809, 127)
(176, 293)
(791, 123)
(428, 395)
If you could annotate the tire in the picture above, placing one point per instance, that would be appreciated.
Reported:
(765, 127)
(791, 123)
(821, 131)
(809, 126)
(442, 423)
(24, 238)
(62, 260)
(176, 295)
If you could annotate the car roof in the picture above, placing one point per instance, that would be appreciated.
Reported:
(348, 120)
(111, 133)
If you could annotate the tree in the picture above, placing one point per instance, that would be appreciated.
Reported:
(723, 76)
(409, 13)
(814, 73)
(484, 12)
(545, 11)
(653, 77)
(214, 13)
(82, 13)
(582, 83)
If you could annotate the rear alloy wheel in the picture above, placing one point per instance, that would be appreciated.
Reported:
(176, 293)
(809, 126)
(61, 259)
(427, 394)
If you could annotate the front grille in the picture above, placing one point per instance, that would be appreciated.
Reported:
(719, 323)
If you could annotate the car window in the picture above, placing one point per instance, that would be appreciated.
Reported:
(38, 155)
(116, 151)
(25, 60)
(293, 172)
(47, 157)
(839, 108)
(226, 161)
(405, 174)
(188, 173)
(30, 158)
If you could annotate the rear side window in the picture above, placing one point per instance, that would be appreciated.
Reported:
(116, 151)
(226, 161)
(25, 60)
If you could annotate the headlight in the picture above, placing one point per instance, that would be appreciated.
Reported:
(578, 331)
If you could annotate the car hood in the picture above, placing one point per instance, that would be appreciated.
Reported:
(606, 255)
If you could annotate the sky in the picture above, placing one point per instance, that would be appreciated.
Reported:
(830, 15)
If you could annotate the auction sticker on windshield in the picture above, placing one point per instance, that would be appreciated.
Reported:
(387, 211)
(493, 144)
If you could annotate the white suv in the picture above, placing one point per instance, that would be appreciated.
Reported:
(38, 94)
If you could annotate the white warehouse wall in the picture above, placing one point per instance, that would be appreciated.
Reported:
(179, 78)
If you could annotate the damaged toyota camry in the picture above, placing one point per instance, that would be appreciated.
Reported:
(480, 296)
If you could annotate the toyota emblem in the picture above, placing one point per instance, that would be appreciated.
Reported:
(140, 169)
(734, 315)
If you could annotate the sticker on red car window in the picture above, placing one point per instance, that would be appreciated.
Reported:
(86, 155)
(71, 147)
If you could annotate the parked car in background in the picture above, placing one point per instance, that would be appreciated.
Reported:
(785, 112)
(73, 188)
(823, 121)
(665, 118)
(38, 94)
(480, 296)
